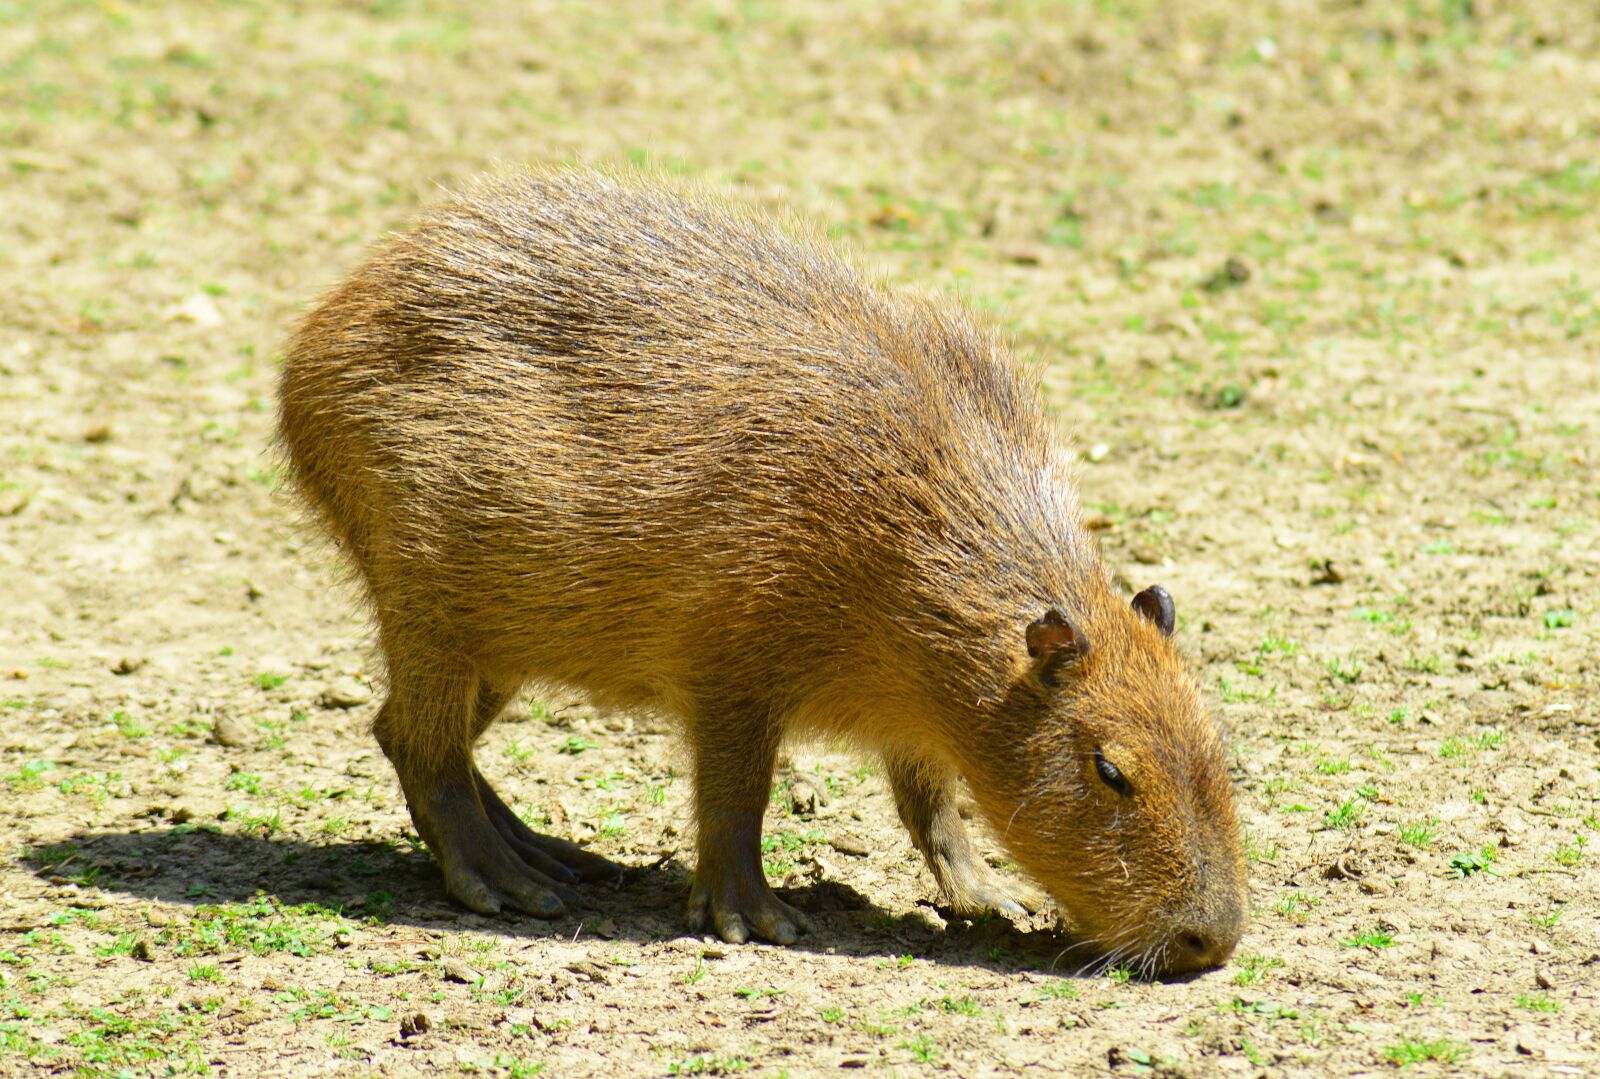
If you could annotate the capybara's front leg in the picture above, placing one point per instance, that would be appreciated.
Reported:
(735, 750)
(924, 792)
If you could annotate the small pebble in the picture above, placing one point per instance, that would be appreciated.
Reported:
(345, 693)
(454, 970)
(847, 845)
(230, 730)
(805, 798)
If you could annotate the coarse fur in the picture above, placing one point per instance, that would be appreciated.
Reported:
(609, 435)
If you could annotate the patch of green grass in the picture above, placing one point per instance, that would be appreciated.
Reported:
(53, 855)
(1410, 1051)
(191, 727)
(1469, 862)
(1347, 670)
(129, 727)
(1420, 834)
(248, 782)
(1429, 664)
(1255, 850)
(123, 944)
(92, 785)
(1548, 921)
(1571, 855)
(261, 926)
(778, 847)
(109, 1043)
(267, 824)
(327, 1005)
(1296, 906)
(1253, 968)
(1346, 815)
(1276, 644)
(706, 1064)
(1560, 619)
(1538, 1002)
(1271, 1009)
(576, 744)
(1370, 938)
(28, 775)
(513, 1067)
(268, 680)
(923, 1048)
(1058, 990)
(1237, 694)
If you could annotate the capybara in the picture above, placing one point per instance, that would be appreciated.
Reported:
(610, 435)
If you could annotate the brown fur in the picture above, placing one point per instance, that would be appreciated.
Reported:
(600, 434)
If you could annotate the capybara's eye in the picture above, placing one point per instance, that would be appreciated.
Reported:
(1112, 774)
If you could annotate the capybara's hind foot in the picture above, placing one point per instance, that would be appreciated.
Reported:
(556, 858)
(482, 870)
(739, 904)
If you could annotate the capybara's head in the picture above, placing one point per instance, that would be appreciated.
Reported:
(1120, 802)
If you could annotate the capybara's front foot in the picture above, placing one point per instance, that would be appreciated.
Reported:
(491, 860)
(735, 901)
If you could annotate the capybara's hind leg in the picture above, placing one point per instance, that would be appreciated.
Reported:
(924, 792)
(735, 750)
(426, 728)
(557, 858)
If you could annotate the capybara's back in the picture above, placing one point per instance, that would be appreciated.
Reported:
(622, 441)
(603, 435)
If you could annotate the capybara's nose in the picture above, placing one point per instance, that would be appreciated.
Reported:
(1202, 951)
(1203, 946)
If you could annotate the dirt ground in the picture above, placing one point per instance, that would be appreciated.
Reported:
(1313, 283)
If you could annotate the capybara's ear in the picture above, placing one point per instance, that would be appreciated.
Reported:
(1053, 640)
(1156, 604)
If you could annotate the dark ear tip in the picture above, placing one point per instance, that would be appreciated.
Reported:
(1155, 603)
